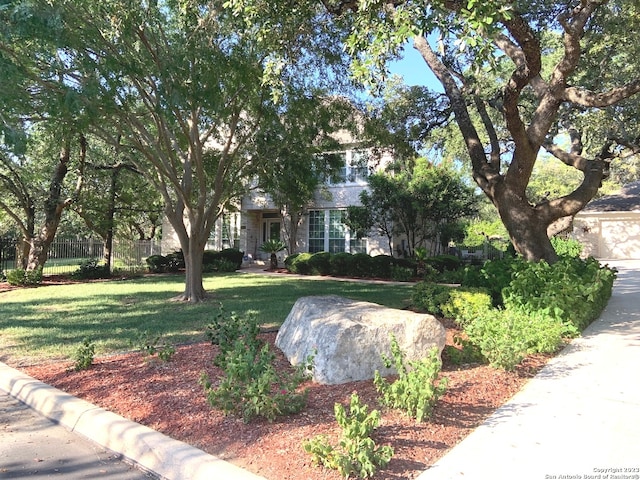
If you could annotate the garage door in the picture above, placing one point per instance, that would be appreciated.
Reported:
(620, 239)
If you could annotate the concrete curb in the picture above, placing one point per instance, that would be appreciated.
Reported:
(150, 450)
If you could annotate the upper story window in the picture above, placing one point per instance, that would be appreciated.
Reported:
(355, 167)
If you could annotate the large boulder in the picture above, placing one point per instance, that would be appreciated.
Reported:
(348, 337)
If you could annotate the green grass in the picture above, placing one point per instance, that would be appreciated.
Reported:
(44, 323)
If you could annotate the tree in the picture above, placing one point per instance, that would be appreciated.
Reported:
(473, 35)
(423, 205)
(184, 88)
(547, 46)
(295, 147)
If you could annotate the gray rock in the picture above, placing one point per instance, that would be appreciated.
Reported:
(348, 337)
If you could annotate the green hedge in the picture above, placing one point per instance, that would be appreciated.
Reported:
(349, 265)
(227, 260)
(538, 305)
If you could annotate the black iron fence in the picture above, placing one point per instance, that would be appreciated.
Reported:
(66, 255)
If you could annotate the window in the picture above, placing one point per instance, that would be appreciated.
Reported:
(328, 233)
(355, 167)
(316, 231)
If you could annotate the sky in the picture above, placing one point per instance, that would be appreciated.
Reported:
(414, 70)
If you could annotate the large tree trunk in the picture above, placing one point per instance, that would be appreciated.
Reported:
(194, 291)
(53, 208)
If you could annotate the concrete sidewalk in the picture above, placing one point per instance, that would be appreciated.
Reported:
(579, 418)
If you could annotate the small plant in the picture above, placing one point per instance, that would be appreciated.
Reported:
(251, 386)
(463, 352)
(90, 269)
(226, 328)
(429, 297)
(150, 346)
(273, 247)
(417, 389)
(24, 278)
(356, 453)
(83, 357)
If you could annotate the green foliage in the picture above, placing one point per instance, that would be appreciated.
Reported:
(320, 263)
(151, 345)
(417, 388)
(90, 269)
(466, 304)
(505, 337)
(226, 328)
(251, 386)
(83, 356)
(494, 275)
(566, 247)
(273, 246)
(401, 274)
(157, 263)
(341, 264)
(361, 265)
(573, 291)
(24, 278)
(463, 352)
(429, 297)
(444, 263)
(356, 453)
(298, 263)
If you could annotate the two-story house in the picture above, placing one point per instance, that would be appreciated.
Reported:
(321, 227)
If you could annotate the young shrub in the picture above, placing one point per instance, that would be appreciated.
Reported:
(24, 278)
(417, 389)
(494, 275)
(356, 453)
(444, 263)
(251, 386)
(91, 269)
(83, 356)
(429, 297)
(466, 304)
(463, 352)
(150, 345)
(157, 263)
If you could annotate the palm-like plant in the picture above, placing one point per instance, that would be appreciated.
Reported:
(273, 247)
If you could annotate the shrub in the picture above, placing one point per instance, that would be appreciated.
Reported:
(251, 386)
(505, 337)
(83, 356)
(90, 269)
(401, 274)
(361, 265)
(380, 266)
(299, 263)
(157, 263)
(463, 352)
(341, 264)
(289, 260)
(232, 255)
(443, 263)
(356, 453)
(176, 261)
(494, 275)
(466, 304)
(429, 297)
(24, 278)
(150, 346)
(572, 290)
(320, 263)
(416, 389)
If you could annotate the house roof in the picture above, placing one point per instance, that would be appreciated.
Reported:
(627, 200)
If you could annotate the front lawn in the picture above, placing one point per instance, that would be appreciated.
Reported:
(47, 323)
